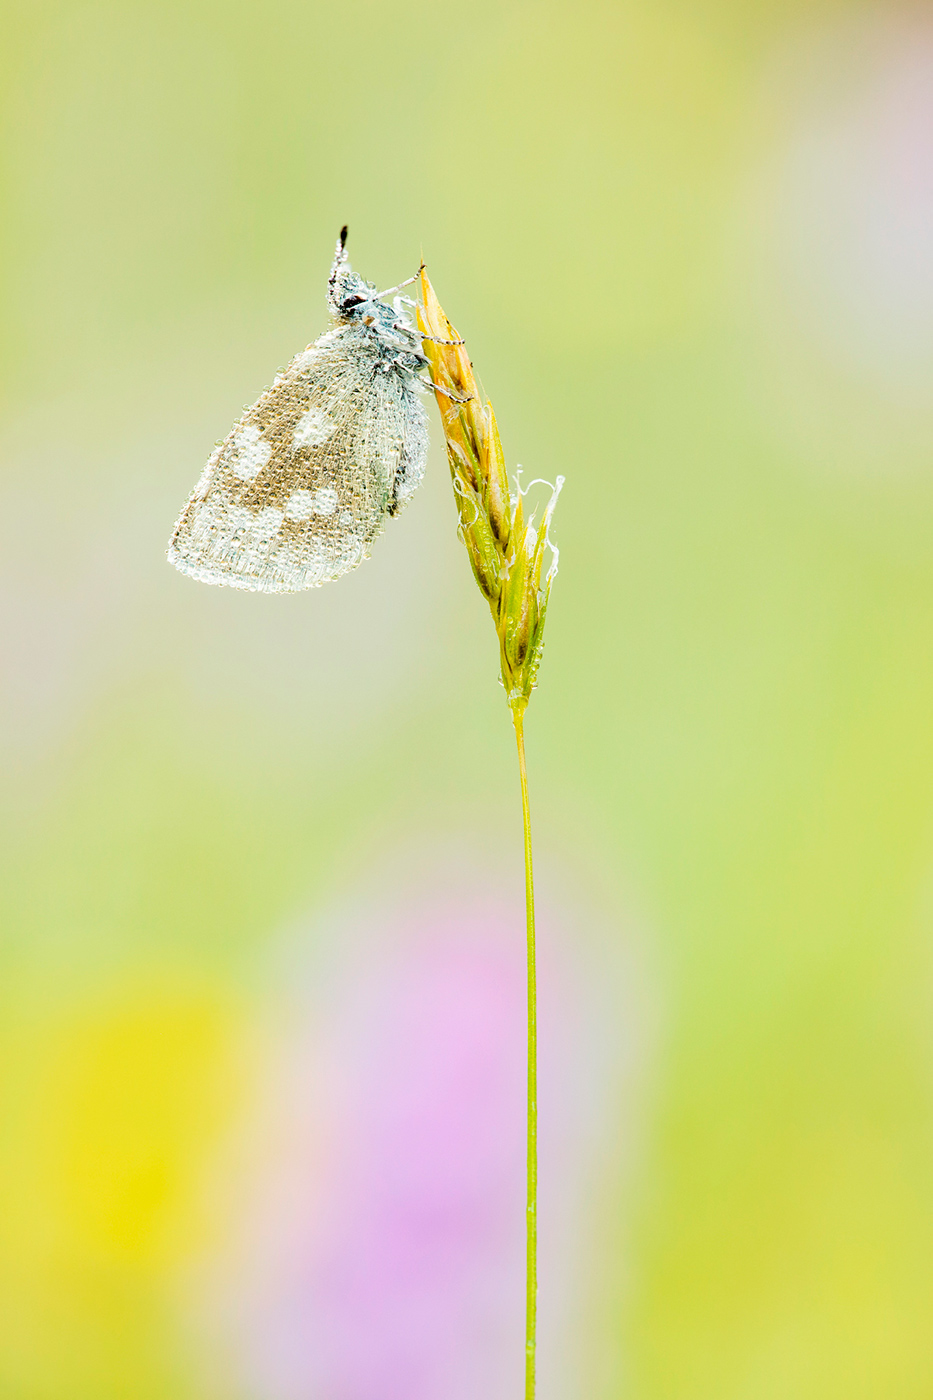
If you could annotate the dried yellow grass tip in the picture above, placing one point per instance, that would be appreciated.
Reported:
(506, 552)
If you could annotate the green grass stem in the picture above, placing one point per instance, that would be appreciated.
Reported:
(531, 1204)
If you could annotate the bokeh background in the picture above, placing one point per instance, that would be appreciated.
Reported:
(261, 1004)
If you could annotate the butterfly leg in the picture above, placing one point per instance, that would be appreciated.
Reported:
(407, 283)
(407, 301)
(438, 389)
(404, 362)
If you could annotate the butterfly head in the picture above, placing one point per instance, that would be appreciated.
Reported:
(351, 298)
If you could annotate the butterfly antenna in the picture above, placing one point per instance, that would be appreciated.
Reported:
(340, 257)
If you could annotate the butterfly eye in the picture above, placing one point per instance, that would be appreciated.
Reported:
(354, 300)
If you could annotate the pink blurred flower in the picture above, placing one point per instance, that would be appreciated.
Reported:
(381, 1249)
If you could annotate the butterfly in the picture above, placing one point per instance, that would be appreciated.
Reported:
(304, 482)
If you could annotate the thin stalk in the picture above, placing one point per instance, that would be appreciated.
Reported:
(531, 1208)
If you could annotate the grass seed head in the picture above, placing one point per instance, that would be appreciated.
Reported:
(506, 553)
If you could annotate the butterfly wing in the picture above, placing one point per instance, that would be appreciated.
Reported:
(301, 486)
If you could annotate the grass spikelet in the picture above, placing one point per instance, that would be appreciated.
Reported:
(506, 554)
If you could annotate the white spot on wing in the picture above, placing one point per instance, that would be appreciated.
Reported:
(313, 428)
(248, 453)
(303, 504)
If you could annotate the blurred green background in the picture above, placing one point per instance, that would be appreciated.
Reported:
(691, 248)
